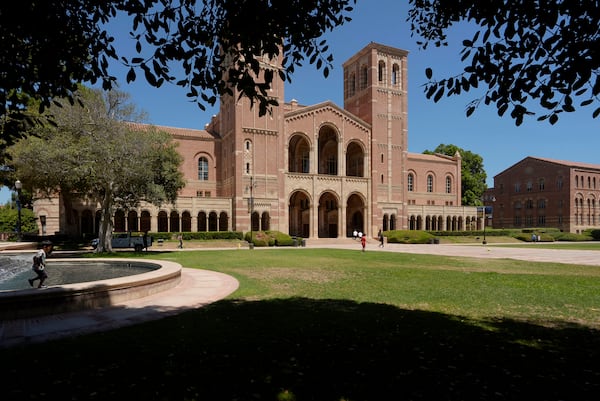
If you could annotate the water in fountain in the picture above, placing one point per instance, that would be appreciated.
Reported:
(16, 269)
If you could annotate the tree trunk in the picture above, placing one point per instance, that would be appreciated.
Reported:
(106, 225)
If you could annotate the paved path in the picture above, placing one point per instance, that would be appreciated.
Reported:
(531, 252)
(196, 289)
(201, 287)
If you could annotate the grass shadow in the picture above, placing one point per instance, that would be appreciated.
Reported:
(306, 349)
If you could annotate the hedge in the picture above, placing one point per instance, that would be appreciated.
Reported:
(270, 238)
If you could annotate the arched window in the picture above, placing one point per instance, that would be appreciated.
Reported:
(351, 84)
(203, 169)
(381, 72)
(395, 74)
(429, 183)
(448, 185)
(411, 182)
(364, 71)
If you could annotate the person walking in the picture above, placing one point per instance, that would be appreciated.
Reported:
(363, 241)
(39, 264)
(380, 236)
(180, 239)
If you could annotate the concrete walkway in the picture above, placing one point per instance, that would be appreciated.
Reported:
(201, 287)
(196, 289)
(530, 251)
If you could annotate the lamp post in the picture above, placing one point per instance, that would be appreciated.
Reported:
(485, 215)
(251, 209)
(18, 186)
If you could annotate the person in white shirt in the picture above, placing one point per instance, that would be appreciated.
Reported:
(39, 264)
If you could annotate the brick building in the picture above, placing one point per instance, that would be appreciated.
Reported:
(308, 170)
(540, 192)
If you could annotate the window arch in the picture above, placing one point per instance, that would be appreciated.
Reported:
(364, 71)
(395, 74)
(429, 183)
(203, 168)
(351, 84)
(410, 181)
(381, 72)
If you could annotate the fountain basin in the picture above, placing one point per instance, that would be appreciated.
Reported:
(89, 295)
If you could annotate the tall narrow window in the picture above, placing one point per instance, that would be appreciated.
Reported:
(411, 182)
(395, 74)
(305, 162)
(429, 183)
(448, 185)
(381, 72)
(351, 85)
(203, 169)
(363, 77)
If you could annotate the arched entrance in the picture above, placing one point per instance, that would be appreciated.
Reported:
(145, 224)
(355, 159)
(87, 223)
(328, 215)
(299, 154)
(355, 214)
(299, 215)
(328, 151)
(186, 222)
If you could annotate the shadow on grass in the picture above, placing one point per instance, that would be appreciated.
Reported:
(304, 349)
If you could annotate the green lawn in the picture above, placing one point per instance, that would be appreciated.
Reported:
(322, 324)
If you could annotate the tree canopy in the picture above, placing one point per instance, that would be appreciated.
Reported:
(473, 175)
(93, 154)
(525, 55)
(48, 47)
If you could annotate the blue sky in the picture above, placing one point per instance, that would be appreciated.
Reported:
(500, 143)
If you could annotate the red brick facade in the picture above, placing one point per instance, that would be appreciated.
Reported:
(539, 192)
(312, 171)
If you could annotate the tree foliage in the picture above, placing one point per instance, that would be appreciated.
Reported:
(93, 154)
(473, 175)
(522, 52)
(9, 216)
(49, 46)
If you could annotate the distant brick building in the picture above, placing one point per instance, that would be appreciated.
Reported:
(312, 171)
(540, 192)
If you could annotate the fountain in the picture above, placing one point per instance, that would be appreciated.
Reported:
(77, 284)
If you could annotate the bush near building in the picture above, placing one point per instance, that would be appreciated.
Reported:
(270, 238)
(408, 237)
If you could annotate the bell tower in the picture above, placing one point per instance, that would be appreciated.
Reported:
(251, 150)
(375, 90)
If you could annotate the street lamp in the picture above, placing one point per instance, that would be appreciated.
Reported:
(18, 186)
(485, 216)
(251, 209)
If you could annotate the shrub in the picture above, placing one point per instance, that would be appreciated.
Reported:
(594, 233)
(203, 235)
(269, 238)
(572, 237)
(408, 237)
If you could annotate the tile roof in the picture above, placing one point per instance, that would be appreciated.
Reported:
(568, 163)
(178, 132)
